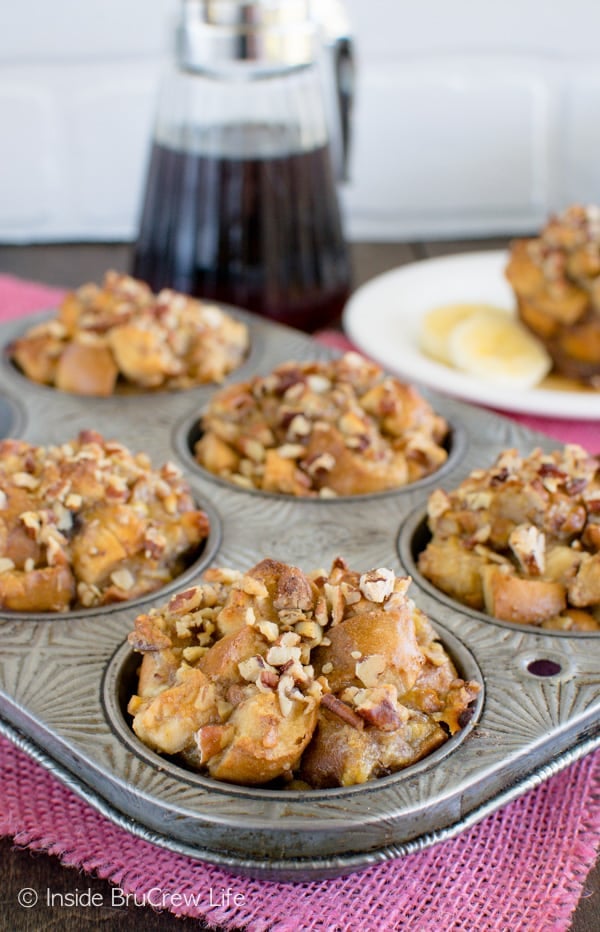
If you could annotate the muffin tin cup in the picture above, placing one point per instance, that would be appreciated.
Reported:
(412, 540)
(189, 431)
(119, 682)
(12, 417)
(197, 563)
(234, 820)
(258, 335)
(63, 679)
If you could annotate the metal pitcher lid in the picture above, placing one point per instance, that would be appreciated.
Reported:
(276, 33)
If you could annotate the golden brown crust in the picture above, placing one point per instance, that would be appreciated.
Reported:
(121, 333)
(88, 523)
(521, 540)
(341, 755)
(321, 429)
(556, 279)
(335, 678)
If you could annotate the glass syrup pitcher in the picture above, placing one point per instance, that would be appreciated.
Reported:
(241, 204)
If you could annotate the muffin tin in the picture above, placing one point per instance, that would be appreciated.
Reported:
(65, 679)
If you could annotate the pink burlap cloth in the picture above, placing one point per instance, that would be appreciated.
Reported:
(522, 868)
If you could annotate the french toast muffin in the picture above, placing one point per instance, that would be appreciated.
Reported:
(88, 523)
(122, 336)
(309, 680)
(556, 281)
(324, 429)
(521, 540)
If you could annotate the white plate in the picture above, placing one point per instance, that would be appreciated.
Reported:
(383, 319)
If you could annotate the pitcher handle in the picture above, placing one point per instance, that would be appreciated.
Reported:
(343, 59)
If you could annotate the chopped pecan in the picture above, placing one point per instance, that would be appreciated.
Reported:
(308, 425)
(379, 707)
(377, 585)
(342, 710)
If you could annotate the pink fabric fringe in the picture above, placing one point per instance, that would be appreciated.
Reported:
(522, 868)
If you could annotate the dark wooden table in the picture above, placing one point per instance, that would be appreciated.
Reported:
(69, 266)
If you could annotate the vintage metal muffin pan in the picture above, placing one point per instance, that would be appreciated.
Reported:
(65, 679)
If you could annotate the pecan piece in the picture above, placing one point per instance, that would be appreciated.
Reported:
(342, 710)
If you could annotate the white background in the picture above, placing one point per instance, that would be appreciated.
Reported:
(471, 117)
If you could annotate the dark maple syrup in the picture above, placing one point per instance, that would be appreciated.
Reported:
(262, 232)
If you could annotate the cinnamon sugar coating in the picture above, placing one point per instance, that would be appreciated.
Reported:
(318, 680)
(521, 540)
(88, 523)
(118, 335)
(321, 429)
(556, 280)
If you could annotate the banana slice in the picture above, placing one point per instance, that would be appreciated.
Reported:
(497, 348)
(438, 324)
